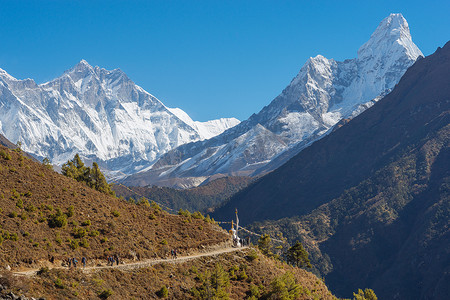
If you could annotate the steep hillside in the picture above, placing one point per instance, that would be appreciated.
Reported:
(401, 122)
(202, 198)
(97, 225)
(47, 218)
(323, 92)
(372, 198)
(241, 275)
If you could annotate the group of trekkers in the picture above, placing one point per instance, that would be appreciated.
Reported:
(174, 253)
(113, 259)
(72, 261)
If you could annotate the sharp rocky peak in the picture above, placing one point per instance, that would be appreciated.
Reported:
(392, 35)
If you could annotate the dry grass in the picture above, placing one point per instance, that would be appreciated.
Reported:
(180, 279)
(30, 194)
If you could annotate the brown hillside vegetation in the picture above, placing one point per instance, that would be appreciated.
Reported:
(35, 201)
(45, 215)
(244, 274)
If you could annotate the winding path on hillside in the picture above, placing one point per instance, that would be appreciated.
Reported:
(140, 264)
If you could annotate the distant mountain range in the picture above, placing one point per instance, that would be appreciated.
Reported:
(324, 92)
(100, 114)
(372, 199)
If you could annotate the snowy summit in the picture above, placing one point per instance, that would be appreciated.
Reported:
(100, 114)
(324, 92)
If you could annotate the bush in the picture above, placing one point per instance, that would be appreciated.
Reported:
(12, 214)
(253, 255)
(94, 233)
(163, 242)
(59, 284)
(105, 294)
(163, 292)
(185, 213)
(19, 203)
(5, 155)
(79, 232)
(198, 215)
(70, 211)
(84, 243)
(73, 244)
(86, 223)
(57, 219)
(115, 213)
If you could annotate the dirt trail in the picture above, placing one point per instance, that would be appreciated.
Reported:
(140, 264)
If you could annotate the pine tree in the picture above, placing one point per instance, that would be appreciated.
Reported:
(93, 177)
(264, 245)
(298, 256)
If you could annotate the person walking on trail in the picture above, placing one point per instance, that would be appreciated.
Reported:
(83, 261)
(172, 253)
(70, 262)
(74, 261)
(116, 257)
(175, 253)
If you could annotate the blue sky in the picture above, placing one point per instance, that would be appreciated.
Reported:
(211, 58)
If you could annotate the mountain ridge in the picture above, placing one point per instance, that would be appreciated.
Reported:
(323, 92)
(371, 200)
(101, 114)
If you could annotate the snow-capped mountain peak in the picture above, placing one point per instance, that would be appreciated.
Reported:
(392, 35)
(100, 114)
(323, 92)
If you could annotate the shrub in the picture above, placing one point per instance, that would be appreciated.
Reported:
(163, 242)
(198, 215)
(5, 155)
(143, 201)
(253, 255)
(155, 206)
(13, 237)
(185, 213)
(163, 292)
(104, 239)
(73, 244)
(105, 294)
(84, 243)
(12, 214)
(152, 217)
(57, 219)
(79, 232)
(115, 213)
(70, 211)
(30, 208)
(19, 203)
(59, 284)
(86, 223)
(94, 233)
